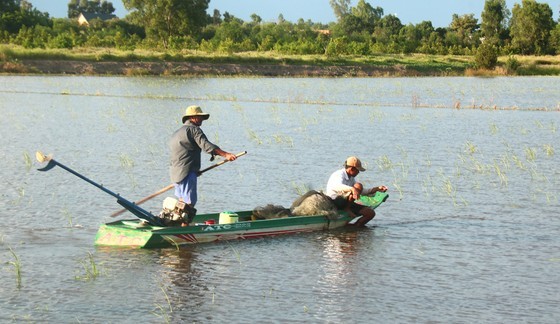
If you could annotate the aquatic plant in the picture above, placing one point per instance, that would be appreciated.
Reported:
(553, 127)
(235, 251)
(471, 148)
(477, 166)
(536, 175)
(253, 136)
(126, 161)
(216, 138)
(384, 163)
(28, 161)
(398, 187)
(548, 149)
(428, 185)
(415, 100)
(376, 115)
(518, 162)
(428, 161)
(494, 129)
(404, 169)
(501, 175)
(551, 198)
(449, 188)
(408, 117)
(164, 312)
(20, 195)
(301, 188)
(68, 215)
(17, 266)
(213, 294)
(530, 154)
(90, 268)
(539, 124)
(279, 138)
(111, 128)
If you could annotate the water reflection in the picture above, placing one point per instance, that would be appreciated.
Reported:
(337, 272)
(182, 281)
(178, 266)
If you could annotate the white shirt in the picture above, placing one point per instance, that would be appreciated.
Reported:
(339, 183)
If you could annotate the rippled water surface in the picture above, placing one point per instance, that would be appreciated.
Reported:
(469, 233)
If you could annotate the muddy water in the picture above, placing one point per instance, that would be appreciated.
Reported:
(469, 233)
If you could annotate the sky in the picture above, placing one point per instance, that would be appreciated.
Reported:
(439, 12)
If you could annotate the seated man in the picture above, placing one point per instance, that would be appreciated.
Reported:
(343, 189)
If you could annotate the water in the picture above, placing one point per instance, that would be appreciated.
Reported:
(469, 233)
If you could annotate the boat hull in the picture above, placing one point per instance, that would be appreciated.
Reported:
(133, 233)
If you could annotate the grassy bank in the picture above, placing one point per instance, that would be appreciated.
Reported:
(15, 59)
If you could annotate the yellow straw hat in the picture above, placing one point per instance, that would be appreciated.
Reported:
(194, 111)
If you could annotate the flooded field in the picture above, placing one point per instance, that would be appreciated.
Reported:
(469, 233)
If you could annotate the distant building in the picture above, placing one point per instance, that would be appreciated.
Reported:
(85, 17)
(324, 32)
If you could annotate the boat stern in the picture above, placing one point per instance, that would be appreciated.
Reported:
(125, 234)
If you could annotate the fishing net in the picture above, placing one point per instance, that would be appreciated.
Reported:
(271, 211)
(312, 203)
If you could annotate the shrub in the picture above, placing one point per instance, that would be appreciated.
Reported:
(227, 46)
(64, 40)
(207, 46)
(486, 57)
(337, 47)
(266, 44)
(512, 64)
(358, 48)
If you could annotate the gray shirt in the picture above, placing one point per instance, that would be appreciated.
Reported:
(186, 145)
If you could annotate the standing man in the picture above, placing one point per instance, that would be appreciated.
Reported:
(343, 189)
(186, 145)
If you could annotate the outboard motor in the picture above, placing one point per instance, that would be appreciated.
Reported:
(176, 212)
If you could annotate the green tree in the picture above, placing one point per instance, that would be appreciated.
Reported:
(464, 28)
(216, 18)
(367, 15)
(9, 5)
(256, 19)
(555, 39)
(434, 43)
(412, 37)
(531, 24)
(494, 21)
(165, 19)
(409, 38)
(387, 31)
(15, 14)
(341, 8)
(360, 20)
(232, 30)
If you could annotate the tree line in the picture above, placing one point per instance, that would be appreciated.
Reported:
(528, 29)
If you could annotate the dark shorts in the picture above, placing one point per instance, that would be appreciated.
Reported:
(343, 203)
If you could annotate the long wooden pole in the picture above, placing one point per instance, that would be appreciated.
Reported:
(171, 186)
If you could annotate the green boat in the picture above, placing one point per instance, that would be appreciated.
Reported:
(138, 234)
(150, 231)
(206, 228)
